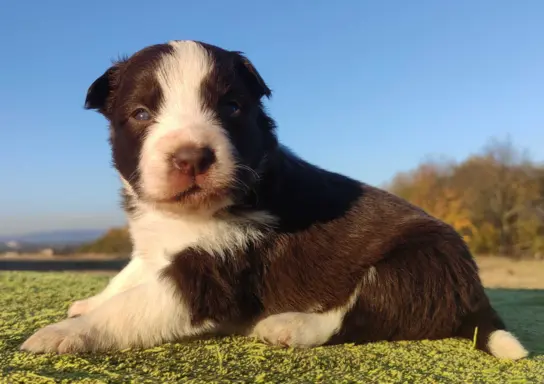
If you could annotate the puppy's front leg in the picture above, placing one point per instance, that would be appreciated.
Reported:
(147, 315)
(134, 273)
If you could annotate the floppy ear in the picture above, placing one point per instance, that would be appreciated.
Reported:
(252, 78)
(100, 89)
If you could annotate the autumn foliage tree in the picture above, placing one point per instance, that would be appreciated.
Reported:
(494, 199)
(115, 241)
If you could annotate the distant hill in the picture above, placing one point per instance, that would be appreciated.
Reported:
(54, 238)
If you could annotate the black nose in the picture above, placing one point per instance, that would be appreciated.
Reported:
(193, 160)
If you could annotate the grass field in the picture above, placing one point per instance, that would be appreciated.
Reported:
(30, 300)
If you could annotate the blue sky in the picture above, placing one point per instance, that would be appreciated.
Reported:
(367, 88)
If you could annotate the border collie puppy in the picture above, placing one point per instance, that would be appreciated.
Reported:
(234, 234)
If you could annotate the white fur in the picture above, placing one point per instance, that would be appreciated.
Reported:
(161, 235)
(146, 315)
(303, 330)
(504, 345)
(134, 273)
(183, 120)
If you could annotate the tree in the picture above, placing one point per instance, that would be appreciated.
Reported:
(494, 199)
(115, 241)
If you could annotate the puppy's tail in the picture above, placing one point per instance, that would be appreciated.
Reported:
(487, 329)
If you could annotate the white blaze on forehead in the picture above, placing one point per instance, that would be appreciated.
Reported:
(183, 119)
(180, 76)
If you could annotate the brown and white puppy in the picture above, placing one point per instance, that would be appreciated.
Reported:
(235, 234)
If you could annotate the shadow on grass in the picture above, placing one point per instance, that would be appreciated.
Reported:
(523, 312)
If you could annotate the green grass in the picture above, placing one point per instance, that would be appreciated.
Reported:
(29, 301)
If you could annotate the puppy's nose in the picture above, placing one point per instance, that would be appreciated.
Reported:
(191, 160)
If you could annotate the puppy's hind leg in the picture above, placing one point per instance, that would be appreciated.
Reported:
(297, 329)
(302, 329)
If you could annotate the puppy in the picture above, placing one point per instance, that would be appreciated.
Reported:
(234, 234)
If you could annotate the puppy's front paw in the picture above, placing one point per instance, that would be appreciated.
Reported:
(68, 336)
(293, 329)
(81, 307)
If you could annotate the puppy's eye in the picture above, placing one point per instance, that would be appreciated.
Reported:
(141, 114)
(231, 108)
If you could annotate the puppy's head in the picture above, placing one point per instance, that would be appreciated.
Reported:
(187, 126)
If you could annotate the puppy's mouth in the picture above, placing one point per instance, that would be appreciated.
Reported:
(191, 191)
(183, 187)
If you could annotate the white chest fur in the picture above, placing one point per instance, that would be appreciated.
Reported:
(158, 236)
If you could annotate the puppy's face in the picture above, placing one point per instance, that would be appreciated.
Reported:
(188, 129)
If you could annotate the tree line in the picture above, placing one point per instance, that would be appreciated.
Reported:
(494, 199)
